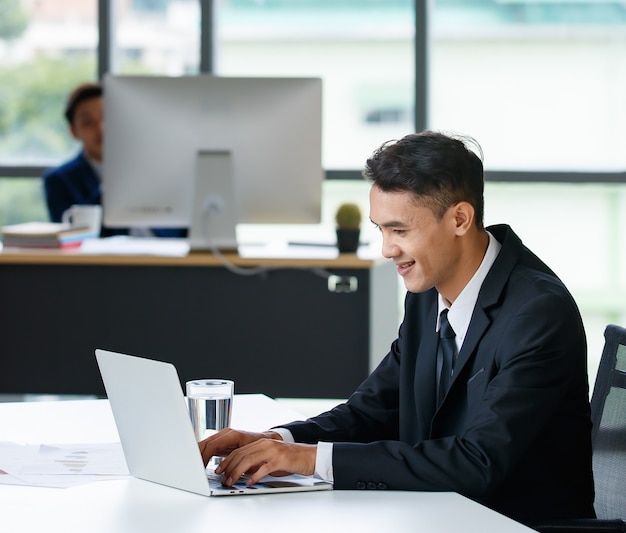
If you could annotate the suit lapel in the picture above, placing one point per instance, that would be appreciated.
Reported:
(489, 294)
(478, 325)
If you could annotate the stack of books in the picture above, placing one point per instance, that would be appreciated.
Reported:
(45, 235)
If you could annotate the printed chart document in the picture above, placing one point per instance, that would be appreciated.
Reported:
(60, 465)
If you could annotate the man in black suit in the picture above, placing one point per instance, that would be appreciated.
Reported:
(485, 390)
(79, 180)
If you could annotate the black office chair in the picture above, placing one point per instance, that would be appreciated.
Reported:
(608, 436)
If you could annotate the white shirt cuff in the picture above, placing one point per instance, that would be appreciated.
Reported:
(284, 433)
(324, 461)
(323, 456)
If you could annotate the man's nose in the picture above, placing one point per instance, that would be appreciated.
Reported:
(389, 248)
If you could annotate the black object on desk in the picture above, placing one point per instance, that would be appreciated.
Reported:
(282, 333)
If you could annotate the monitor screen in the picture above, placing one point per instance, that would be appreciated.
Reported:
(181, 150)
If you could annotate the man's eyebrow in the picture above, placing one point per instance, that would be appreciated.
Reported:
(390, 224)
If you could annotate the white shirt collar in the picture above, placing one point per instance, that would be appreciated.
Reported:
(461, 310)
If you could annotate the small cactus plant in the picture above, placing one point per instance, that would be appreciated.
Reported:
(348, 216)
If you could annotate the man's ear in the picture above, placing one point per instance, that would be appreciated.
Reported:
(74, 132)
(463, 217)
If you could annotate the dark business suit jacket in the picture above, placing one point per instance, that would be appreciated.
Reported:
(73, 183)
(513, 431)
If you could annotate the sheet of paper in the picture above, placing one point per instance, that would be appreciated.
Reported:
(60, 465)
(282, 250)
(126, 245)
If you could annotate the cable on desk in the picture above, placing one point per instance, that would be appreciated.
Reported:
(240, 271)
(321, 272)
(257, 271)
(212, 208)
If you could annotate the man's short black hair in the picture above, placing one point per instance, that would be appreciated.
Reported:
(439, 170)
(83, 92)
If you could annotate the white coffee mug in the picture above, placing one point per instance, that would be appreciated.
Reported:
(80, 216)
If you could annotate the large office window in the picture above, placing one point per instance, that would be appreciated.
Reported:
(156, 37)
(541, 84)
(363, 51)
(46, 48)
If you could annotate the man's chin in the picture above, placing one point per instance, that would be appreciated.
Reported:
(416, 287)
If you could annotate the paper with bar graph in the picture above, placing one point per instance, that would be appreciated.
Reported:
(60, 465)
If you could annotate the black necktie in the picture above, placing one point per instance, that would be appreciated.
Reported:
(447, 351)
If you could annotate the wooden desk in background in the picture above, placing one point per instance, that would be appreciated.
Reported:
(283, 332)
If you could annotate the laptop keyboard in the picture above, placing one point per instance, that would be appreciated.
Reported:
(217, 478)
(212, 476)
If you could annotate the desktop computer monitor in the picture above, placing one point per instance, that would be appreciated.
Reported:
(209, 152)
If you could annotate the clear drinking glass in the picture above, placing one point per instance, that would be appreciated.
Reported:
(210, 402)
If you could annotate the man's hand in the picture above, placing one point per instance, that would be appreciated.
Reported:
(228, 440)
(267, 456)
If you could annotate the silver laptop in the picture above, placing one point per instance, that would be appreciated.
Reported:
(154, 426)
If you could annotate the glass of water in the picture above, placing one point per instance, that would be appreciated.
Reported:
(210, 402)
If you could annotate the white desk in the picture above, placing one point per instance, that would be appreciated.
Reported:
(131, 505)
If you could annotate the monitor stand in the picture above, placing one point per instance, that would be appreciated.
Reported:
(214, 215)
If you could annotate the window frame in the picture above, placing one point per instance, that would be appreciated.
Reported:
(106, 18)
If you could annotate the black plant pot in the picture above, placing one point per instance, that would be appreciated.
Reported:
(348, 240)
